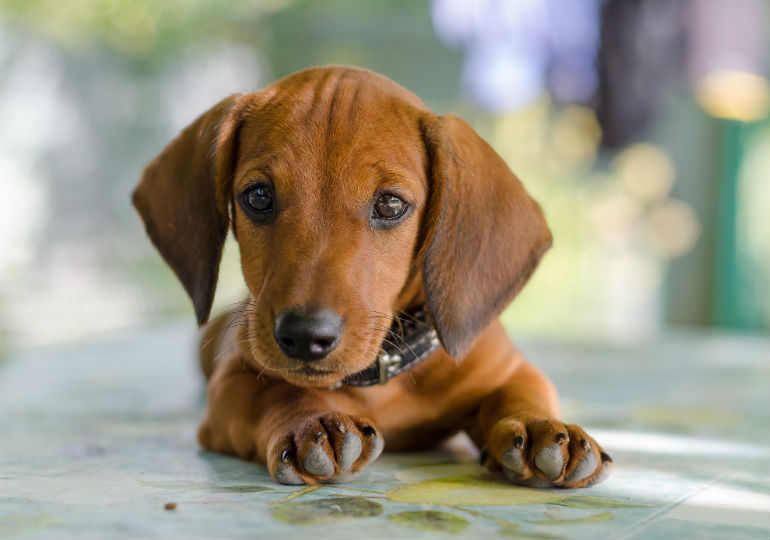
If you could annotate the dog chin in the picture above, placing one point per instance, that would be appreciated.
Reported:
(312, 378)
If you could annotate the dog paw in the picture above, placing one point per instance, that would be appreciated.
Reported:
(545, 453)
(332, 448)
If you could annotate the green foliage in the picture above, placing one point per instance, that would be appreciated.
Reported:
(136, 28)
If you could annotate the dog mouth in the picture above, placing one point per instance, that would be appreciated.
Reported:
(312, 371)
(311, 376)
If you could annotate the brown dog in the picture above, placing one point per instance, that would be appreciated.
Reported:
(366, 226)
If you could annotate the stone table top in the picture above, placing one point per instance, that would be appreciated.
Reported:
(97, 437)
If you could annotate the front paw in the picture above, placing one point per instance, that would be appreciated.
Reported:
(545, 453)
(330, 448)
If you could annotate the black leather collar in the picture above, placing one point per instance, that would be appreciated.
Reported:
(411, 340)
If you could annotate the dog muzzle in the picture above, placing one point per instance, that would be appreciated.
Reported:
(413, 340)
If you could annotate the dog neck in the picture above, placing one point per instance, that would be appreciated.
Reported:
(411, 339)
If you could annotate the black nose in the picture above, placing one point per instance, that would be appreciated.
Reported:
(308, 334)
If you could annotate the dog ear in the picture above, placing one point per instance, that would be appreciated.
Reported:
(183, 201)
(483, 235)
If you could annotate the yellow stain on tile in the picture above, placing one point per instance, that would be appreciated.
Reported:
(440, 470)
(593, 518)
(470, 491)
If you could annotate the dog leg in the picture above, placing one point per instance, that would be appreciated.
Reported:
(296, 432)
(524, 439)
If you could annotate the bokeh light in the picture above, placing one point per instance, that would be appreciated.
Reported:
(651, 168)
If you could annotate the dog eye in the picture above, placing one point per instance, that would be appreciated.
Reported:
(389, 207)
(258, 199)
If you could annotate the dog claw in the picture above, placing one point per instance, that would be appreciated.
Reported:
(350, 451)
(584, 469)
(604, 473)
(550, 460)
(317, 462)
(286, 474)
(376, 448)
(512, 459)
(518, 442)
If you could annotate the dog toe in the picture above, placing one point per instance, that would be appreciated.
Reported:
(584, 468)
(350, 451)
(284, 466)
(604, 471)
(584, 456)
(287, 474)
(355, 441)
(513, 459)
(587, 460)
(317, 462)
(374, 442)
(550, 461)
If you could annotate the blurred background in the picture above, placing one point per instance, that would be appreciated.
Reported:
(641, 127)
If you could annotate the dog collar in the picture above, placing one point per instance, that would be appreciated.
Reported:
(411, 340)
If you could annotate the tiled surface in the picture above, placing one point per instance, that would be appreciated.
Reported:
(95, 438)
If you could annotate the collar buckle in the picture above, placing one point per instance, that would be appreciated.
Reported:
(388, 365)
(416, 341)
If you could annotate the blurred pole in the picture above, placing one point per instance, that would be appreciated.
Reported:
(728, 67)
(726, 63)
(739, 293)
(726, 304)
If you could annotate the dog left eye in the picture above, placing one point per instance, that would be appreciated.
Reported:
(258, 199)
(389, 207)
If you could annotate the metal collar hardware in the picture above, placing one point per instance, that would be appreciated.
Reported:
(414, 340)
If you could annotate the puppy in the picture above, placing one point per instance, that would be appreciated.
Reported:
(379, 243)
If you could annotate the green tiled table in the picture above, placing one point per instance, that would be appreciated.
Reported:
(96, 437)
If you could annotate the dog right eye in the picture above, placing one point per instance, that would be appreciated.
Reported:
(258, 200)
(389, 207)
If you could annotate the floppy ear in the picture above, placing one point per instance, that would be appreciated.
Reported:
(484, 235)
(182, 199)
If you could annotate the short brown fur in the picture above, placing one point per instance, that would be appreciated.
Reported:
(328, 139)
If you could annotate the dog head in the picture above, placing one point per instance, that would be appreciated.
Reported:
(350, 202)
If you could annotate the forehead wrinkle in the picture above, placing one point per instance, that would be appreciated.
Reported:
(323, 123)
(385, 174)
(339, 105)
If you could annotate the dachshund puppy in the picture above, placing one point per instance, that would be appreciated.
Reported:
(379, 243)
